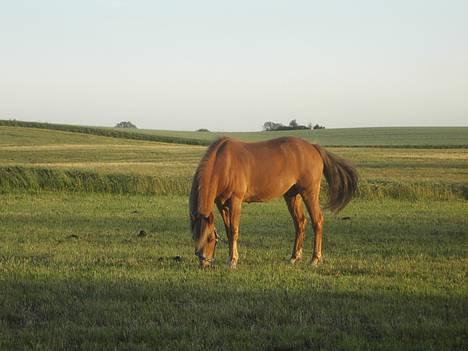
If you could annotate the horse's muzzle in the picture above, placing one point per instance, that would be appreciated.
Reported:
(200, 255)
(204, 262)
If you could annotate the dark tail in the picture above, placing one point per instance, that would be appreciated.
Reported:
(342, 179)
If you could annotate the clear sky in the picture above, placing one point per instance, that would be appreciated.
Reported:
(232, 65)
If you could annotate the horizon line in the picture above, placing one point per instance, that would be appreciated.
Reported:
(246, 131)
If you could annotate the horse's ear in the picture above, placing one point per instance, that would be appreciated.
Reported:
(210, 218)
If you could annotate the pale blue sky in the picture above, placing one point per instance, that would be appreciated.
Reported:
(232, 65)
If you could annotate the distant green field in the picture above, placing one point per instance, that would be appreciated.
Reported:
(421, 137)
(388, 136)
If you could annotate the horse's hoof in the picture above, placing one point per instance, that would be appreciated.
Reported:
(231, 262)
(315, 261)
(204, 265)
(293, 260)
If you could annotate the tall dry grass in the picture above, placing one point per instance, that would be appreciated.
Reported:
(24, 179)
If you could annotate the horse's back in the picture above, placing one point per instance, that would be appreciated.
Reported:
(283, 154)
(272, 147)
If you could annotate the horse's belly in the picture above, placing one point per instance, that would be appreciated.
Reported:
(267, 192)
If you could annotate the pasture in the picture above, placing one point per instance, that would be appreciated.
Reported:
(108, 266)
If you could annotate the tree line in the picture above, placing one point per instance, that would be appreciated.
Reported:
(293, 125)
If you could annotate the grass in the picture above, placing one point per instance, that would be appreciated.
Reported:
(34, 160)
(106, 132)
(74, 275)
(36, 180)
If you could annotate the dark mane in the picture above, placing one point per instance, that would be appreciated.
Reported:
(202, 176)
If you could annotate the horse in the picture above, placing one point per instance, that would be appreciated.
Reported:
(232, 172)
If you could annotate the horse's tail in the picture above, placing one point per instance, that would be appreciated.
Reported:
(342, 179)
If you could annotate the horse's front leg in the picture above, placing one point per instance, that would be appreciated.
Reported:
(235, 205)
(223, 209)
(224, 212)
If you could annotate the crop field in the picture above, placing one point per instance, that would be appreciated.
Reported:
(96, 254)
(361, 137)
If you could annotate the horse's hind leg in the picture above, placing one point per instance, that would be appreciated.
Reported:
(297, 213)
(311, 200)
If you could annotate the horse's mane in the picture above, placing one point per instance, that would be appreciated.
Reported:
(202, 177)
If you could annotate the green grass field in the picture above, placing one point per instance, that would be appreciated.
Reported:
(75, 275)
(389, 137)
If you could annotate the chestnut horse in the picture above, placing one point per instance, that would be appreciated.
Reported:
(232, 172)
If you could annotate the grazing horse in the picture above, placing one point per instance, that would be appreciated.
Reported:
(232, 172)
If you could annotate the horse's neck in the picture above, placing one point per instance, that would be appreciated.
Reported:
(207, 195)
(208, 179)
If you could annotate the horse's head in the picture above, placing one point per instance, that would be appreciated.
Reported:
(204, 237)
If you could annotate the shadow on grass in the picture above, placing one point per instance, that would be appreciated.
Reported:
(220, 310)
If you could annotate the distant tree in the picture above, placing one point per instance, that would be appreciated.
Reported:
(125, 124)
(269, 126)
(293, 124)
(317, 126)
(272, 126)
(202, 130)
